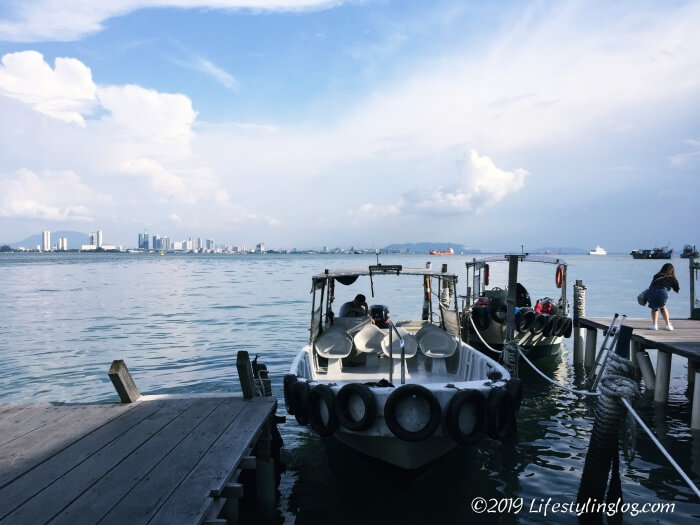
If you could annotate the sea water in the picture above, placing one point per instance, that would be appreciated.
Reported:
(179, 320)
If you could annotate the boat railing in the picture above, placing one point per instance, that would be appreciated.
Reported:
(392, 328)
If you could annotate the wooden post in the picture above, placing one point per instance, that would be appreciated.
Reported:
(663, 376)
(233, 492)
(591, 342)
(123, 382)
(691, 373)
(635, 347)
(511, 299)
(245, 374)
(579, 311)
(695, 418)
(647, 370)
(694, 310)
(265, 472)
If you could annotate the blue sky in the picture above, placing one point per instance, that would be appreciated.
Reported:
(305, 123)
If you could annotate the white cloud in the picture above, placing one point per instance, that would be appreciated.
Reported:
(162, 181)
(687, 159)
(222, 77)
(51, 196)
(65, 20)
(174, 217)
(65, 92)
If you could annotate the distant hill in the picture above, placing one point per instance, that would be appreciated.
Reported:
(425, 247)
(559, 249)
(75, 240)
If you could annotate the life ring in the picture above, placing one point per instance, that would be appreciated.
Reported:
(524, 319)
(481, 317)
(568, 327)
(486, 274)
(467, 398)
(344, 412)
(559, 277)
(322, 394)
(289, 381)
(500, 413)
(498, 310)
(299, 395)
(401, 394)
(538, 325)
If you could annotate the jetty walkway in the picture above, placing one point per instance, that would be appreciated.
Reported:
(158, 459)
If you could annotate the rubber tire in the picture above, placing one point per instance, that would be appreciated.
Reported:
(560, 326)
(568, 328)
(550, 325)
(403, 392)
(289, 382)
(481, 317)
(498, 310)
(514, 387)
(461, 398)
(316, 395)
(500, 413)
(299, 397)
(538, 325)
(524, 320)
(342, 406)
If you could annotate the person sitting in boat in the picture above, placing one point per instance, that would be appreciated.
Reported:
(355, 308)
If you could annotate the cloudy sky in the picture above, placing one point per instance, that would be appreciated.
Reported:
(304, 123)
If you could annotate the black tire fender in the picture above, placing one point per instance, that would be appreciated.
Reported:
(404, 392)
(550, 326)
(299, 396)
(560, 327)
(342, 406)
(538, 325)
(322, 394)
(498, 310)
(289, 381)
(569, 326)
(524, 319)
(500, 413)
(459, 401)
(481, 317)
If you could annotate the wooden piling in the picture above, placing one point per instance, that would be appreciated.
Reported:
(591, 346)
(695, 416)
(245, 374)
(578, 332)
(663, 376)
(123, 382)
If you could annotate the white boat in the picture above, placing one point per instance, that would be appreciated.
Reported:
(505, 312)
(405, 392)
(598, 251)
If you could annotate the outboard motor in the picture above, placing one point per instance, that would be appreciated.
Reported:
(380, 314)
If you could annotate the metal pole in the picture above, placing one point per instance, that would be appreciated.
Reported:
(512, 285)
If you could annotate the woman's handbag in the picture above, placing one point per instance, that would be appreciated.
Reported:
(642, 297)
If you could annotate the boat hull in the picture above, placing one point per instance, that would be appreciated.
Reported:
(534, 346)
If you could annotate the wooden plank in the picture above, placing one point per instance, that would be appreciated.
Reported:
(30, 482)
(49, 502)
(123, 382)
(190, 500)
(98, 500)
(148, 496)
(18, 420)
(40, 444)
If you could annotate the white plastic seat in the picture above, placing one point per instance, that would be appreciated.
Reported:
(435, 342)
(410, 344)
(369, 339)
(334, 343)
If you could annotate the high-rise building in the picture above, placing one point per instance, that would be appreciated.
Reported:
(46, 241)
(156, 242)
(210, 245)
(143, 241)
(260, 248)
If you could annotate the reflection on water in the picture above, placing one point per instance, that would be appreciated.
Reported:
(179, 321)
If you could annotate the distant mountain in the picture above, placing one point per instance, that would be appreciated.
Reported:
(425, 247)
(559, 249)
(75, 240)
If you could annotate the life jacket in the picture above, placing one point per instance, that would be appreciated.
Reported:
(546, 306)
(483, 301)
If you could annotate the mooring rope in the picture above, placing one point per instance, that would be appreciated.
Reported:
(563, 387)
(471, 320)
(656, 442)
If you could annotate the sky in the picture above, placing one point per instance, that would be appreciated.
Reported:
(311, 123)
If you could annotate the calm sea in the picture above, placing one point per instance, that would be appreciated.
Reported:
(179, 320)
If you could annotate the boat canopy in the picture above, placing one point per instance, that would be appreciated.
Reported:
(521, 256)
(349, 276)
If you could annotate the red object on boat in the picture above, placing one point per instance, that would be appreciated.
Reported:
(449, 251)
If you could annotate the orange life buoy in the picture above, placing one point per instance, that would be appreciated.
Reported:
(559, 279)
(486, 274)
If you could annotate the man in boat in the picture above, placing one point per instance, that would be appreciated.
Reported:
(355, 308)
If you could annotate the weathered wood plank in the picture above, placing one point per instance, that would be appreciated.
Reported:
(18, 420)
(165, 478)
(190, 501)
(47, 504)
(97, 501)
(123, 382)
(30, 482)
(40, 444)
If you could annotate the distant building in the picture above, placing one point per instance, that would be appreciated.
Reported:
(209, 244)
(260, 248)
(62, 244)
(46, 241)
(96, 239)
(143, 241)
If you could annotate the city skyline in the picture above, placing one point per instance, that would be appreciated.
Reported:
(342, 122)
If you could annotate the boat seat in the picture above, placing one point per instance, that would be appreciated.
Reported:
(350, 324)
(334, 343)
(369, 339)
(410, 344)
(435, 342)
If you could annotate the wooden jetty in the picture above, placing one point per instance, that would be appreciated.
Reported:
(683, 341)
(156, 459)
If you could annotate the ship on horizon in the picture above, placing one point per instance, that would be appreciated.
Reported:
(449, 251)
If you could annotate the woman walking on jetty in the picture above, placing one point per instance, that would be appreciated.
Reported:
(657, 295)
